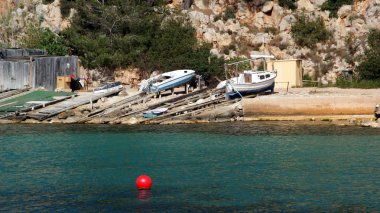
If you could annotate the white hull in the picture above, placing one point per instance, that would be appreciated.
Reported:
(248, 83)
(167, 80)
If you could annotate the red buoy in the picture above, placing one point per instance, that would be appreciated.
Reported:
(144, 182)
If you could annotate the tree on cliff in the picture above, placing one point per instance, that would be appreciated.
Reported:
(369, 68)
(43, 38)
(308, 32)
(135, 33)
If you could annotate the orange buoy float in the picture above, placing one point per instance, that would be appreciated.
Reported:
(143, 182)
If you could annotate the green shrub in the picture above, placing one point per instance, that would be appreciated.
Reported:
(229, 13)
(342, 82)
(307, 32)
(334, 5)
(66, 5)
(271, 30)
(130, 33)
(289, 4)
(369, 68)
(43, 38)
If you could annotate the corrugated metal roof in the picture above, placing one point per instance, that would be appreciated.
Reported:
(14, 53)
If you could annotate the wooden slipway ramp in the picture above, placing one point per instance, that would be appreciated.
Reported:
(202, 108)
(72, 103)
(178, 107)
(130, 106)
(170, 103)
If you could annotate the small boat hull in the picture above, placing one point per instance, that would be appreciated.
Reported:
(154, 112)
(245, 90)
(237, 86)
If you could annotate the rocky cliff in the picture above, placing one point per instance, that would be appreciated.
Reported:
(236, 27)
(265, 26)
(16, 15)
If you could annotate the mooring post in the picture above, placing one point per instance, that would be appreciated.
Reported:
(186, 88)
(91, 104)
(172, 91)
(199, 82)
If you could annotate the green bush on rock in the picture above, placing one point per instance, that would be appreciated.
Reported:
(43, 38)
(369, 68)
(334, 5)
(308, 32)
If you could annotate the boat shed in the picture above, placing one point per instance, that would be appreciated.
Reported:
(289, 72)
(32, 68)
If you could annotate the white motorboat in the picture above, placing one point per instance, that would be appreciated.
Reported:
(167, 80)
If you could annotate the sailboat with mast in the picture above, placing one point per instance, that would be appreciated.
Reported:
(249, 81)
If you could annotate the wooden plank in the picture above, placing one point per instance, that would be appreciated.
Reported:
(221, 99)
(190, 113)
(171, 103)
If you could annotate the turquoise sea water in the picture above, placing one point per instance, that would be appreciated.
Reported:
(224, 167)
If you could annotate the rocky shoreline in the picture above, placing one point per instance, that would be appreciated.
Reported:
(315, 105)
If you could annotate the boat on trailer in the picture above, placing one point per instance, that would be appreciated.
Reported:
(167, 81)
(249, 81)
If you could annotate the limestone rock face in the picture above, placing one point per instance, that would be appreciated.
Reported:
(286, 22)
(305, 5)
(268, 6)
(51, 16)
(261, 21)
(200, 4)
(344, 11)
(128, 76)
(6, 5)
(22, 13)
(317, 3)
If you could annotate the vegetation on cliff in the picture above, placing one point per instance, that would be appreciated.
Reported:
(334, 5)
(44, 38)
(369, 68)
(110, 34)
(290, 4)
(308, 32)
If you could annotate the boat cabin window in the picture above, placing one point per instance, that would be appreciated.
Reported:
(162, 78)
(247, 78)
(267, 76)
(185, 71)
(262, 77)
